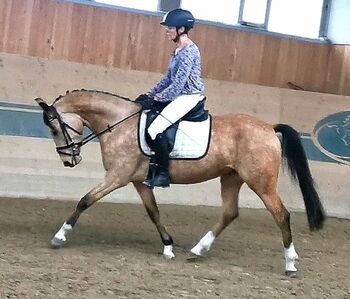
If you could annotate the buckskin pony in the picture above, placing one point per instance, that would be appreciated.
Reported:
(243, 149)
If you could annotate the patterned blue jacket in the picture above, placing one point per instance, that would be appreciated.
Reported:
(183, 76)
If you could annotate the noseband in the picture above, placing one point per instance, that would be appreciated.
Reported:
(70, 143)
(69, 140)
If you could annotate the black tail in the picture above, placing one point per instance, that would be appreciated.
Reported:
(293, 152)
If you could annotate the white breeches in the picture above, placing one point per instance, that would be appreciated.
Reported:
(173, 112)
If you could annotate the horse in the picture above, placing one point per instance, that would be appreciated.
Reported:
(243, 149)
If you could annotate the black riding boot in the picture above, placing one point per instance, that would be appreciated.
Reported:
(162, 178)
(158, 175)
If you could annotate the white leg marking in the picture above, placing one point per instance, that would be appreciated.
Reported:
(64, 231)
(290, 255)
(204, 244)
(168, 252)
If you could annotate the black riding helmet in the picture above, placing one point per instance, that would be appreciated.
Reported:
(178, 18)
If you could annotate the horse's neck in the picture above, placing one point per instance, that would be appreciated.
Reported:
(98, 110)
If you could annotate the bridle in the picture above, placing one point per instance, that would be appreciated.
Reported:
(70, 143)
(75, 146)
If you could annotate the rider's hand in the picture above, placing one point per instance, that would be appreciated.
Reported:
(145, 101)
(141, 98)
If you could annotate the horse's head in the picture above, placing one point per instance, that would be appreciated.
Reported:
(67, 132)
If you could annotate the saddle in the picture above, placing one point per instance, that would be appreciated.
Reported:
(188, 140)
(196, 114)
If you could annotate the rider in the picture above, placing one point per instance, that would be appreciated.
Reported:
(181, 89)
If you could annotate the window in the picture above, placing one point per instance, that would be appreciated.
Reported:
(293, 17)
(254, 12)
(296, 17)
(167, 5)
(223, 11)
(150, 5)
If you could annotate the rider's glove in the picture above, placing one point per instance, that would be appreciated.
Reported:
(145, 101)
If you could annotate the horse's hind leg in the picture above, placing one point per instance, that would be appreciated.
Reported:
(150, 204)
(230, 185)
(281, 215)
(104, 188)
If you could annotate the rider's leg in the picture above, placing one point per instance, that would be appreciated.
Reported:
(162, 178)
(170, 114)
(158, 174)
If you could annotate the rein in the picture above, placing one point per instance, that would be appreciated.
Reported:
(87, 139)
(108, 129)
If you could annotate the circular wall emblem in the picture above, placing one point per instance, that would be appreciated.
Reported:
(332, 136)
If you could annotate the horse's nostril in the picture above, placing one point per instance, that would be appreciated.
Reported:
(66, 163)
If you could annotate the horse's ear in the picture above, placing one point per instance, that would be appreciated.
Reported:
(43, 104)
(49, 112)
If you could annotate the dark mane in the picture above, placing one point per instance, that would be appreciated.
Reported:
(92, 90)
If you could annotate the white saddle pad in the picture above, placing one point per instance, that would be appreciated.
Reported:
(191, 142)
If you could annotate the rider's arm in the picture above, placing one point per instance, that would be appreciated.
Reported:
(183, 67)
(161, 85)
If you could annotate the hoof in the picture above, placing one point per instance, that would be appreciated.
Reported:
(56, 243)
(192, 257)
(168, 253)
(291, 274)
(168, 257)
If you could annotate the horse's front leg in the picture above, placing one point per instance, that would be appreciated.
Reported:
(150, 204)
(109, 184)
